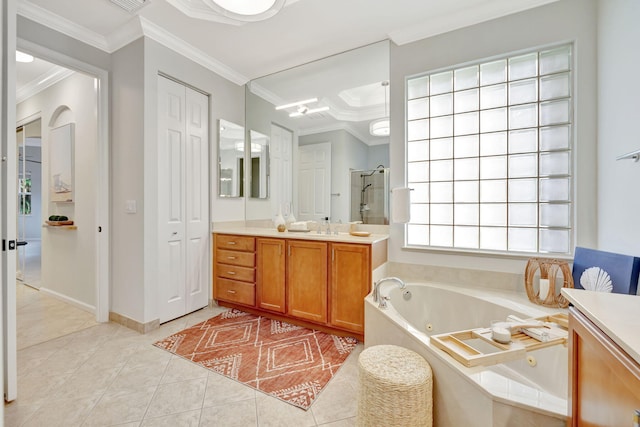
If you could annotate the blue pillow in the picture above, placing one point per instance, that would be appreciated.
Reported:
(623, 269)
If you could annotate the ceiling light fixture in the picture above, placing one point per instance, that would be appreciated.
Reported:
(306, 111)
(23, 57)
(246, 10)
(295, 104)
(381, 127)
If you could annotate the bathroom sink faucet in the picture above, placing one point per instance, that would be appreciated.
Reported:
(382, 301)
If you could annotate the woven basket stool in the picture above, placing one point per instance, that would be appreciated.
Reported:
(395, 388)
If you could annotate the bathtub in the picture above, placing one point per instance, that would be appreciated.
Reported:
(529, 392)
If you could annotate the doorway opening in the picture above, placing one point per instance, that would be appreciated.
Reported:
(29, 227)
(56, 263)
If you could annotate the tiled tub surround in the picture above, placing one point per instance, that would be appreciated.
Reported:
(512, 393)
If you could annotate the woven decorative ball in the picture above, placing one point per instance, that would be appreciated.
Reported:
(396, 388)
(549, 269)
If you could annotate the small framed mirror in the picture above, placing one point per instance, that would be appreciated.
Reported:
(231, 149)
(259, 165)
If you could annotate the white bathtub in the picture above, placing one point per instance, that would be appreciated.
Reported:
(508, 394)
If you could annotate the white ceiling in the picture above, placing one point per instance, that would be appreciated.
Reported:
(303, 31)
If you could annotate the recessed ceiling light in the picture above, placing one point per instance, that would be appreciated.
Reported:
(23, 57)
(246, 7)
(242, 11)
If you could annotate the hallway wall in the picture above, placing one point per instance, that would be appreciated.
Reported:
(69, 256)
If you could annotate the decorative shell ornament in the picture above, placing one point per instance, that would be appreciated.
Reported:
(596, 279)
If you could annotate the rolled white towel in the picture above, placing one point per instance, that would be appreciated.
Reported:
(299, 225)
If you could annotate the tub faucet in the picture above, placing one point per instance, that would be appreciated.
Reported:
(382, 301)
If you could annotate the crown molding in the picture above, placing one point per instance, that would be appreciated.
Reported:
(41, 83)
(364, 138)
(170, 41)
(132, 30)
(124, 35)
(62, 25)
(466, 18)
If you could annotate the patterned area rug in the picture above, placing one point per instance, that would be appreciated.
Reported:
(286, 361)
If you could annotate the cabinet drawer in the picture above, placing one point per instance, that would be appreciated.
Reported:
(236, 243)
(233, 291)
(244, 274)
(243, 259)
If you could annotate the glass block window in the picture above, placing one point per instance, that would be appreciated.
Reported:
(489, 155)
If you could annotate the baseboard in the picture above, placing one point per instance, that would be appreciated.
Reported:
(72, 301)
(139, 327)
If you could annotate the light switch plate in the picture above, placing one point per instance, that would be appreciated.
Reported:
(130, 206)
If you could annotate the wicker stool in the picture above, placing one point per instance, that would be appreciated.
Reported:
(395, 388)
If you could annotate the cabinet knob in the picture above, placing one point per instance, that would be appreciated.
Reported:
(231, 243)
(232, 273)
(231, 257)
(231, 291)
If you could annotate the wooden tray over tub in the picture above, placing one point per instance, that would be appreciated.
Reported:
(475, 347)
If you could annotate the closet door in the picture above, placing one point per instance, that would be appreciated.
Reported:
(183, 189)
(197, 200)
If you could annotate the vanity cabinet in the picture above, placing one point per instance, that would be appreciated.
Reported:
(234, 269)
(605, 380)
(350, 282)
(270, 272)
(312, 282)
(307, 280)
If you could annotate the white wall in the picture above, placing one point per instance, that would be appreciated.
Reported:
(378, 155)
(562, 21)
(127, 181)
(618, 112)
(69, 256)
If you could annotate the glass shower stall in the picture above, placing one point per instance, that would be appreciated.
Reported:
(370, 195)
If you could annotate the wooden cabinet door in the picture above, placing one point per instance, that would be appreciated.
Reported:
(307, 280)
(350, 283)
(270, 285)
(605, 381)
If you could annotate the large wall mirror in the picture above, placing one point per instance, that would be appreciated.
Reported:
(231, 149)
(259, 165)
(332, 117)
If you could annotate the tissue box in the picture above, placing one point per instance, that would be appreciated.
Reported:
(299, 226)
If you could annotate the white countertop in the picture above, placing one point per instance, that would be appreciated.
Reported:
(617, 315)
(310, 235)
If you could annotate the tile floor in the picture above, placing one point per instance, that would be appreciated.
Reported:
(41, 318)
(108, 375)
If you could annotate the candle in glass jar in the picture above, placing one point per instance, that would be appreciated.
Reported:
(544, 289)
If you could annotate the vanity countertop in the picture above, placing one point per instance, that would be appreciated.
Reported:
(617, 315)
(343, 237)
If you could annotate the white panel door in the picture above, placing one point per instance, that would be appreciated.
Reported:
(197, 200)
(280, 160)
(171, 199)
(314, 181)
